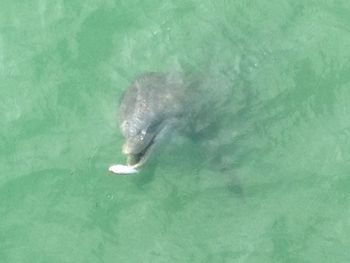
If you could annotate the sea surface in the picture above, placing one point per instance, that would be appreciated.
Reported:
(270, 183)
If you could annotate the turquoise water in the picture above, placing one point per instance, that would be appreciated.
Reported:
(272, 183)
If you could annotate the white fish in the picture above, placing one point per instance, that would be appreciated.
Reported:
(122, 169)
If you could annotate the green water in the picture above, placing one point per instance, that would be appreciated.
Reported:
(282, 193)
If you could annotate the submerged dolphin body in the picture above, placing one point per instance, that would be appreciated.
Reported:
(152, 106)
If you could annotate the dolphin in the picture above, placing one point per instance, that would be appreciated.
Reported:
(154, 105)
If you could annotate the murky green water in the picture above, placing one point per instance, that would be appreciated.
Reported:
(280, 191)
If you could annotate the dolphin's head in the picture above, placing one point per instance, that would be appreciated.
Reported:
(148, 110)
